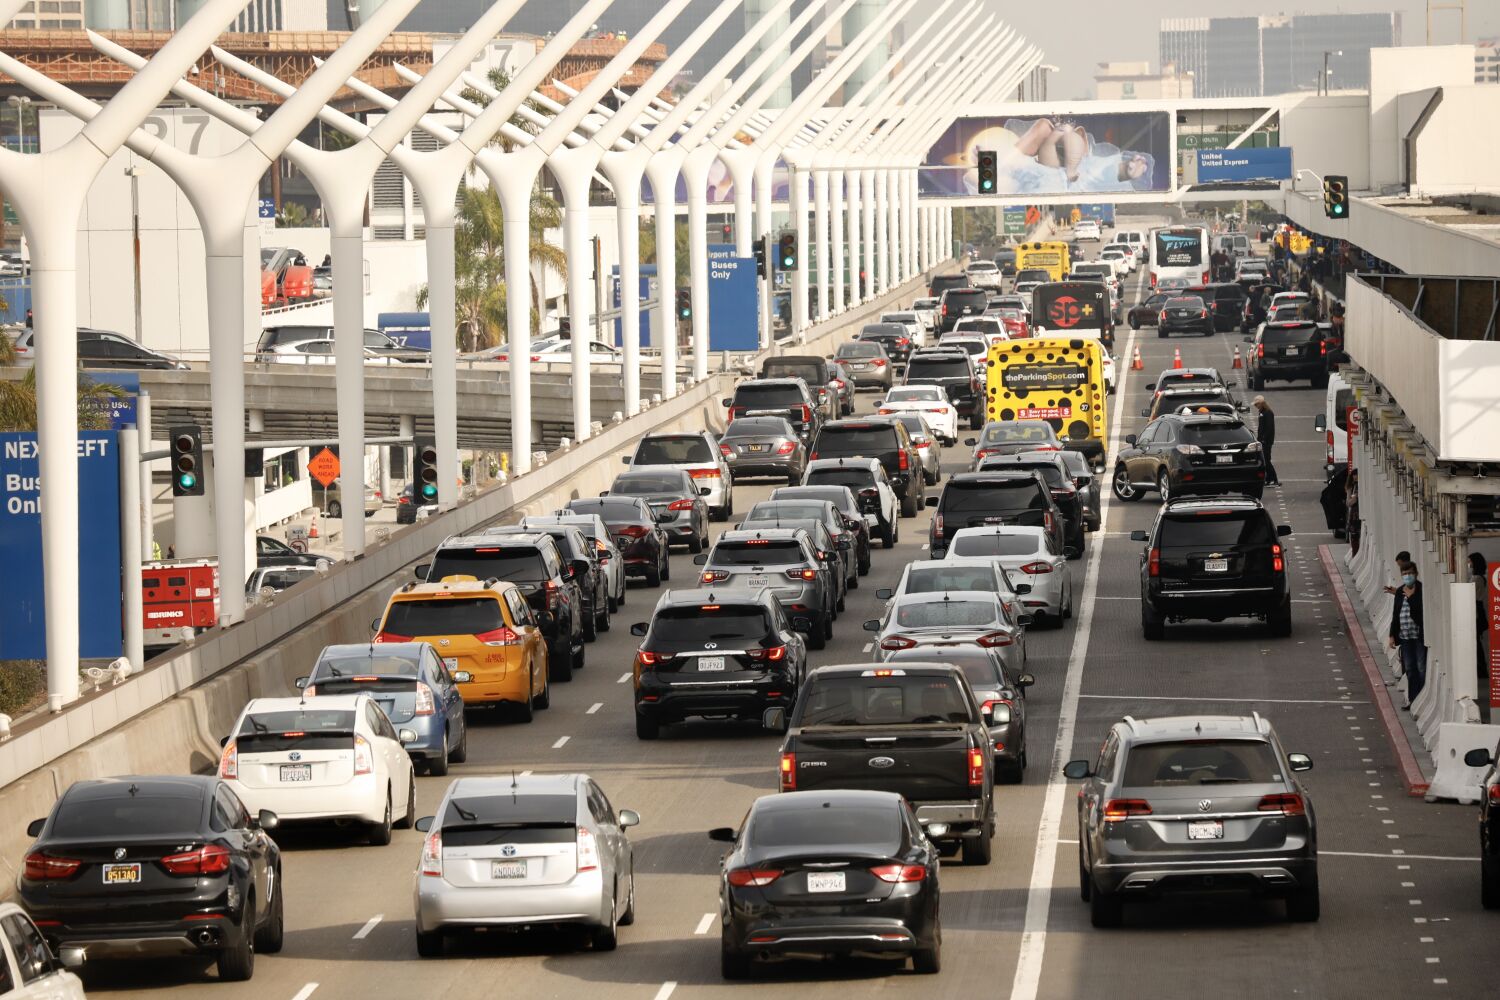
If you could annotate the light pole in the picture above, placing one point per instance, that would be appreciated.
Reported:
(134, 173)
(20, 104)
(1323, 80)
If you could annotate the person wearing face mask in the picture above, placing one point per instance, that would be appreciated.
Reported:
(1406, 633)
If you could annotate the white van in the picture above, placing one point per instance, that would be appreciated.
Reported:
(1334, 422)
(1135, 239)
(1234, 244)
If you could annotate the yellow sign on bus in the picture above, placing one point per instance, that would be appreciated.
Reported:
(1056, 379)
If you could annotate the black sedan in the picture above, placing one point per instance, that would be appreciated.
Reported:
(815, 874)
(845, 502)
(1147, 312)
(1185, 314)
(636, 532)
(144, 867)
(271, 552)
(676, 501)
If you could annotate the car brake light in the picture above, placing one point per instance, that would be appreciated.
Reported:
(363, 763)
(1260, 350)
(1202, 313)
(726, 451)
(229, 760)
(1286, 803)
(753, 877)
(432, 854)
(1189, 449)
(878, 362)
(1494, 794)
(788, 772)
(680, 505)
(588, 852)
(502, 636)
(1047, 520)
(902, 461)
(210, 859)
(384, 636)
(897, 642)
(903, 342)
(989, 706)
(802, 574)
(714, 576)
(976, 767)
(1322, 347)
(425, 704)
(1153, 563)
(1205, 277)
(1116, 810)
(1278, 564)
(704, 473)
(899, 873)
(773, 654)
(1037, 568)
(43, 867)
(806, 414)
(884, 412)
(787, 447)
(994, 639)
(635, 531)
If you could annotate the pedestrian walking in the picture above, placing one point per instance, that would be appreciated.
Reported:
(1265, 433)
(1402, 560)
(1407, 635)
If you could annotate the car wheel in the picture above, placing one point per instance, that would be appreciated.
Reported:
(1067, 608)
(794, 480)
(1302, 905)
(578, 658)
(976, 422)
(864, 564)
(1123, 488)
(1489, 882)
(929, 961)
(646, 728)
(335, 509)
(666, 564)
(268, 939)
(1105, 908)
(543, 700)
(980, 850)
(613, 604)
(590, 627)
(438, 766)
(430, 944)
(1280, 620)
(560, 664)
(628, 917)
(733, 964)
(816, 639)
(1153, 625)
(410, 816)
(1320, 380)
(601, 620)
(1160, 333)
(695, 544)
(380, 833)
(1085, 884)
(653, 576)
(888, 535)
(1009, 773)
(1257, 382)
(909, 503)
(1164, 486)
(236, 960)
(606, 937)
(1135, 325)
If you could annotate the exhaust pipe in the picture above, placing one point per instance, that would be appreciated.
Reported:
(205, 937)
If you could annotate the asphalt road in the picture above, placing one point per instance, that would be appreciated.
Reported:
(1401, 912)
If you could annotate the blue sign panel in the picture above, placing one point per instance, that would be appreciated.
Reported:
(267, 209)
(1217, 166)
(647, 273)
(99, 599)
(411, 331)
(733, 301)
(121, 408)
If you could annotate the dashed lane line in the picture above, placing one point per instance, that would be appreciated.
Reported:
(704, 924)
(305, 992)
(562, 741)
(369, 926)
(594, 708)
(666, 989)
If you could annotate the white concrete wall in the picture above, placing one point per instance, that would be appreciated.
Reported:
(1399, 352)
(1321, 132)
(1458, 150)
(1401, 71)
(1415, 245)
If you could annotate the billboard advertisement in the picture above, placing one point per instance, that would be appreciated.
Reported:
(1057, 155)
(1217, 166)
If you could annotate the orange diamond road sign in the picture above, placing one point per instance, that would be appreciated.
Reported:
(324, 467)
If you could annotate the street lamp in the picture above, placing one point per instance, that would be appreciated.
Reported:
(1323, 80)
(134, 173)
(20, 104)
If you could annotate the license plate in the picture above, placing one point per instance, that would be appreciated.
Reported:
(1216, 565)
(1224, 459)
(758, 581)
(825, 881)
(296, 772)
(710, 663)
(1206, 829)
(507, 869)
(131, 874)
(451, 662)
(1291, 351)
(757, 447)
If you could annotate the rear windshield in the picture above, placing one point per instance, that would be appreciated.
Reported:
(758, 427)
(757, 552)
(854, 478)
(936, 579)
(856, 349)
(482, 820)
(811, 372)
(787, 510)
(970, 347)
(1229, 292)
(516, 563)
(997, 544)
(148, 814)
(937, 368)
(1342, 400)
(712, 623)
(1289, 334)
(918, 393)
(936, 614)
(838, 828)
(1216, 530)
(1033, 274)
(834, 496)
(608, 509)
(862, 439)
(1185, 302)
(639, 485)
(301, 729)
(978, 498)
(965, 296)
(1201, 762)
(1031, 430)
(1051, 473)
(444, 616)
(365, 666)
(1175, 401)
(771, 397)
(1214, 434)
(673, 450)
(881, 701)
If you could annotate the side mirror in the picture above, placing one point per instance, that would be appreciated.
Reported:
(873, 625)
(704, 491)
(604, 493)
(1025, 681)
(726, 402)
(723, 834)
(1025, 619)
(802, 624)
(267, 820)
(424, 824)
(224, 740)
(1138, 536)
(997, 715)
(1242, 408)
(374, 627)
(774, 719)
(72, 956)
(639, 629)
(420, 571)
(1299, 762)
(1130, 439)
(884, 594)
(624, 459)
(1077, 770)
(701, 559)
(932, 501)
(1479, 757)
(34, 828)
(1320, 422)
(1282, 530)
(462, 677)
(971, 442)
(301, 682)
(629, 818)
(1145, 413)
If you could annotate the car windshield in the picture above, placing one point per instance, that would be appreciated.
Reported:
(1216, 530)
(921, 367)
(759, 427)
(676, 450)
(844, 828)
(756, 552)
(922, 393)
(365, 665)
(857, 349)
(938, 614)
(857, 439)
(153, 813)
(994, 543)
(696, 624)
(964, 497)
(444, 616)
(520, 563)
(1215, 434)
(846, 700)
(1289, 334)
(1019, 431)
(851, 476)
(1201, 762)
(644, 484)
(484, 820)
(785, 510)
(936, 579)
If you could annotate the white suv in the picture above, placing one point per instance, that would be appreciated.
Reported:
(696, 453)
(985, 274)
(1087, 229)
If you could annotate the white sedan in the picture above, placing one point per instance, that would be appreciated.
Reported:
(1121, 259)
(1025, 553)
(320, 352)
(335, 759)
(32, 972)
(928, 400)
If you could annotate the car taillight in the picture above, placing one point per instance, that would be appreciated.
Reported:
(1047, 520)
(210, 859)
(43, 867)
(1153, 279)
(984, 453)
(994, 639)
(878, 362)
(1153, 563)
(787, 447)
(680, 505)
(806, 413)
(588, 851)
(976, 768)
(1189, 449)
(884, 412)
(937, 523)
(788, 772)
(229, 758)
(1202, 313)
(384, 636)
(802, 574)
(502, 636)
(1286, 803)
(1322, 347)
(714, 576)
(402, 499)
(726, 451)
(945, 308)
(1260, 350)
(1494, 794)
(425, 704)
(432, 854)
(772, 654)
(897, 642)
(1036, 568)
(363, 762)
(902, 461)
(704, 473)
(753, 877)
(635, 531)
(1205, 277)
(1116, 810)
(1278, 564)
(899, 873)
(989, 706)
(838, 383)
(1162, 316)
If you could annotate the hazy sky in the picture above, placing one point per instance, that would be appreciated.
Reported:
(1076, 35)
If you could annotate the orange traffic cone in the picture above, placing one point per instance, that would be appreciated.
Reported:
(1176, 357)
(1136, 364)
(1238, 361)
(313, 531)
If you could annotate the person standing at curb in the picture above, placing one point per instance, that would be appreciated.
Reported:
(1407, 634)
(1265, 433)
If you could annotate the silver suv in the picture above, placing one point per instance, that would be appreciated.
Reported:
(1194, 804)
(782, 560)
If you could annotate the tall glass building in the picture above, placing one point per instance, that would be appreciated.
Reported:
(1275, 53)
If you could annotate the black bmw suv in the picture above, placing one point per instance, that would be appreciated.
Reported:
(1214, 558)
(1295, 349)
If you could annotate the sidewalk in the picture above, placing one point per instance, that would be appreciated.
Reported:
(1385, 694)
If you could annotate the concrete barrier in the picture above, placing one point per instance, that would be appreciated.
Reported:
(1455, 780)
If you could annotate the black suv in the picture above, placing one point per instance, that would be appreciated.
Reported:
(937, 284)
(1214, 558)
(1296, 349)
(814, 371)
(844, 501)
(1225, 300)
(1179, 454)
(957, 303)
(778, 397)
(730, 654)
(582, 559)
(953, 371)
(1059, 478)
(894, 337)
(1489, 825)
(883, 439)
(532, 562)
(975, 499)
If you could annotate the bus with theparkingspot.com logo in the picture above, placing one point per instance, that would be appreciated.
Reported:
(1056, 379)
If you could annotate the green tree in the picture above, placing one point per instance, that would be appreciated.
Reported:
(648, 248)
(18, 397)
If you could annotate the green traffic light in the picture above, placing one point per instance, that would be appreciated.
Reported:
(788, 261)
(429, 491)
(187, 480)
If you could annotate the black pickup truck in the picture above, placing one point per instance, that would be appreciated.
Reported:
(914, 729)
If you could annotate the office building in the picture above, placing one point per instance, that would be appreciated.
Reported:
(1254, 56)
(165, 15)
(53, 15)
(1136, 81)
(1487, 60)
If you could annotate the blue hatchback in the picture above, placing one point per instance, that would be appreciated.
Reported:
(409, 681)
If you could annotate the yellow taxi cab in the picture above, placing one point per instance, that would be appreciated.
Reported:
(482, 628)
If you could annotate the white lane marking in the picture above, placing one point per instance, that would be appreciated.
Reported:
(869, 646)
(369, 926)
(1267, 701)
(704, 924)
(1028, 977)
(305, 992)
(594, 708)
(666, 989)
(623, 678)
(561, 742)
(1393, 855)
(524, 774)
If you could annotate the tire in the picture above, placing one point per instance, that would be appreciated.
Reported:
(1135, 325)
(628, 917)
(976, 422)
(268, 939)
(460, 753)
(560, 665)
(1161, 334)
(1489, 882)
(1257, 382)
(430, 944)
(612, 603)
(695, 544)
(733, 965)
(380, 833)
(888, 535)
(1121, 486)
(1320, 381)
(864, 564)
(236, 961)
(438, 766)
(816, 639)
(1009, 773)
(929, 961)
(979, 851)
(607, 936)
(410, 816)
(909, 503)
(1067, 608)
(1153, 625)
(336, 509)
(1085, 884)
(578, 661)
(601, 620)
(526, 713)
(843, 602)
(646, 728)
(1164, 486)
(1303, 905)
(653, 576)
(794, 480)
(544, 700)
(590, 629)
(1105, 908)
(1280, 620)
(666, 565)
(1078, 543)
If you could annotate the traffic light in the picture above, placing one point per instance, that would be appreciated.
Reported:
(426, 478)
(760, 256)
(988, 171)
(684, 303)
(187, 461)
(786, 255)
(1336, 196)
(728, 232)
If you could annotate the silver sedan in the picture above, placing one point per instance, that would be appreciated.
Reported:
(965, 615)
(1026, 554)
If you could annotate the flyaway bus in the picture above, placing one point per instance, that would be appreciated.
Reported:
(1056, 379)
(1051, 257)
(1180, 252)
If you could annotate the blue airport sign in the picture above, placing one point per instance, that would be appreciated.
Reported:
(121, 408)
(733, 300)
(1219, 166)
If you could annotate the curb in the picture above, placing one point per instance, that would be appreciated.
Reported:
(1416, 783)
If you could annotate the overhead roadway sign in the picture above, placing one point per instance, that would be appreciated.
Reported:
(1220, 166)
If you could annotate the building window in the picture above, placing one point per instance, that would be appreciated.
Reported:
(282, 471)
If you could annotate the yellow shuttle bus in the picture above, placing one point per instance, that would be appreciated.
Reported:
(1056, 379)
(1050, 257)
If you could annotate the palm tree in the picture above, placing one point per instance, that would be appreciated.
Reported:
(18, 397)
